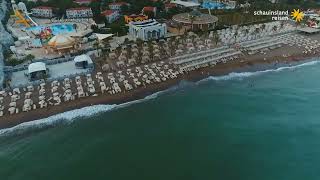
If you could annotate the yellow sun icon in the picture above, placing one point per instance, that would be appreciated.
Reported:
(297, 15)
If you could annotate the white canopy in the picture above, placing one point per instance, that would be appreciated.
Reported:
(23, 38)
(185, 3)
(35, 67)
(83, 58)
(102, 36)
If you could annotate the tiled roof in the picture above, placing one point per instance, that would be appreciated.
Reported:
(108, 12)
(149, 8)
(43, 7)
(78, 8)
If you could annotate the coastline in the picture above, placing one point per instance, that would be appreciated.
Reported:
(249, 65)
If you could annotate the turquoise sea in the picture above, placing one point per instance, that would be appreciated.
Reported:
(244, 126)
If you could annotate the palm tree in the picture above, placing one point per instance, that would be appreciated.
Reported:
(75, 27)
(215, 37)
(192, 18)
(96, 45)
(8, 83)
(246, 31)
(179, 27)
(263, 27)
(256, 31)
(274, 28)
(235, 35)
(100, 61)
(282, 24)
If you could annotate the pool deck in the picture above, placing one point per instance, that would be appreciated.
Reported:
(19, 31)
(56, 29)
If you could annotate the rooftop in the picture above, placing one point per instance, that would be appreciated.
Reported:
(170, 5)
(79, 9)
(149, 8)
(199, 18)
(108, 12)
(185, 3)
(119, 3)
(43, 7)
(146, 23)
(83, 1)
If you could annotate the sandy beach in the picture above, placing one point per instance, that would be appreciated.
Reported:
(251, 63)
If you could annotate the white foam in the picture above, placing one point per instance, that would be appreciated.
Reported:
(67, 117)
(242, 75)
(70, 116)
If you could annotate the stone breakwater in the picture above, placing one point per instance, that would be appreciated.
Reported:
(5, 37)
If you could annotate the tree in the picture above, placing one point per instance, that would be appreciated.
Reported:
(256, 32)
(274, 28)
(126, 41)
(75, 27)
(247, 31)
(29, 57)
(235, 35)
(215, 37)
(192, 18)
(115, 28)
(96, 11)
(125, 9)
(94, 28)
(61, 5)
(263, 27)
(179, 28)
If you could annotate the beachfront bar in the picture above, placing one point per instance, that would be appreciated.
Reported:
(37, 71)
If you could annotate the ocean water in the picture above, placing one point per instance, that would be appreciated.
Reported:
(245, 126)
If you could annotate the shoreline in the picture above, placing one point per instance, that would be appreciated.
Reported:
(249, 65)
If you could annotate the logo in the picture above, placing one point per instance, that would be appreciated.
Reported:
(297, 15)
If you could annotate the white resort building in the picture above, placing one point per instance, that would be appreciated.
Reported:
(42, 11)
(83, 2)
(80, 12)
(111, 15)
(147, 30)
(116, 6)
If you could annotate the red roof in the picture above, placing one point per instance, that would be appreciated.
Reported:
(78, 8)
(83, 1)
(170, 5)
(119, 3)
(149, 8)
(108, 12)
(43, 7)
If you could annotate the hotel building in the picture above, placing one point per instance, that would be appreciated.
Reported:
(81, 12)
(147, 30)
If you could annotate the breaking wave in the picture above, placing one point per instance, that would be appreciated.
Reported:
(71, 116)
(242, 75)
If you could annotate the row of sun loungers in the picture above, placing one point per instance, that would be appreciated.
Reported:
(211, 60)
(177, 58)
(209, 54)
(56, 92)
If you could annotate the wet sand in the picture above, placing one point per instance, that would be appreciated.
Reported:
(251, 63)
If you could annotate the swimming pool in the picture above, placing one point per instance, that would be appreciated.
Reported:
(214, 5)
(56, 29)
